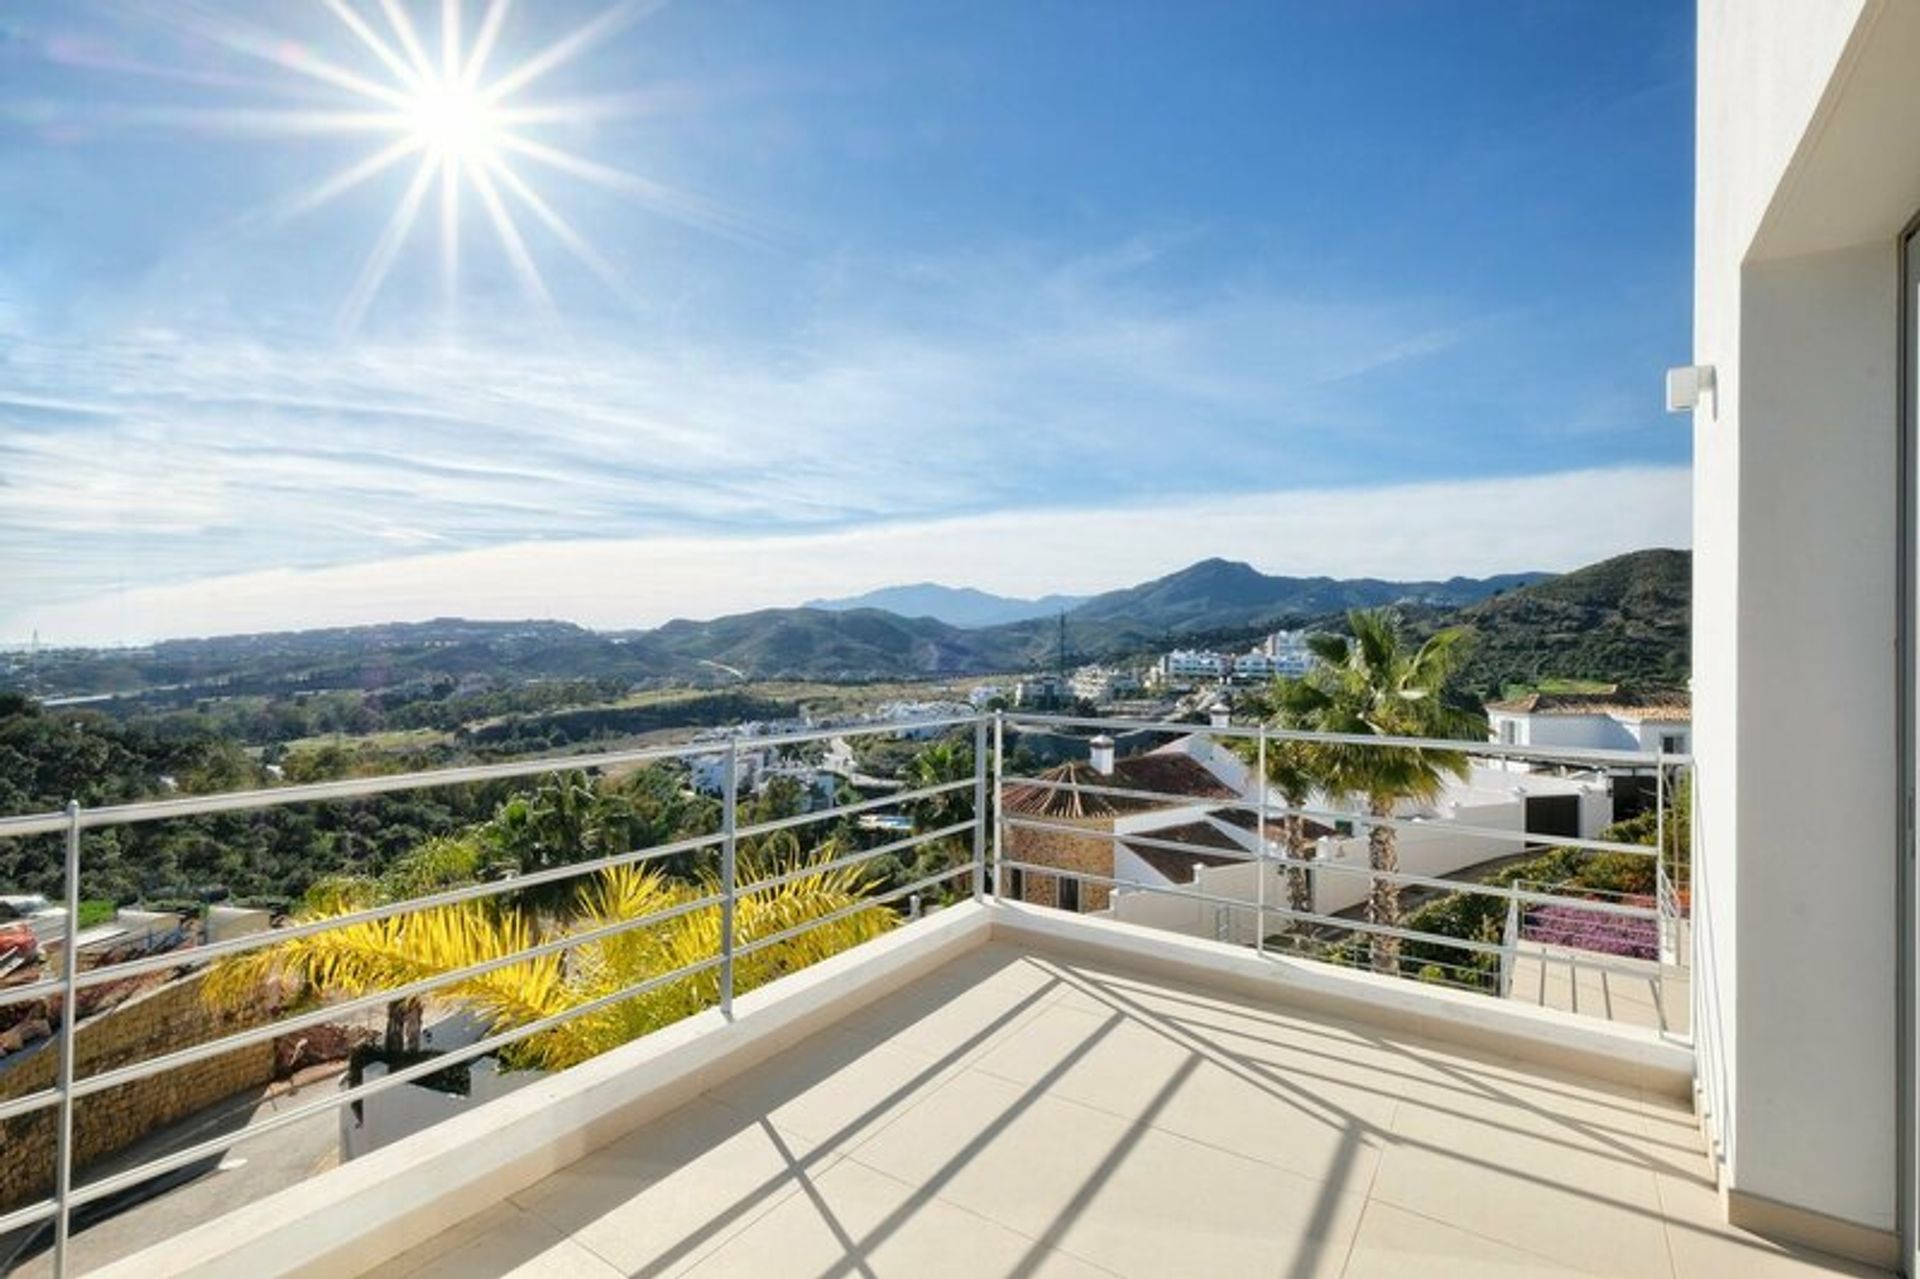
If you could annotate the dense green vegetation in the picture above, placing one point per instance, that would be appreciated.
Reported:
(1623, 621)
(279, 855)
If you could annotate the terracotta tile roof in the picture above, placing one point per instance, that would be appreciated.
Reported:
(1647, 706)
(1176, 864)
(1179, 777)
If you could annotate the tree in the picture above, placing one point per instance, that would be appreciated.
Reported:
(437, 864)
(364, 958)
(1296, 772)
(1370, 683)
(943, 762)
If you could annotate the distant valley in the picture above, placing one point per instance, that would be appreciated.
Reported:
(1625, 618)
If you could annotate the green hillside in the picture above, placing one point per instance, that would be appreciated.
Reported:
(1622, 621)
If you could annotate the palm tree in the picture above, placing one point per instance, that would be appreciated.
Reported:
(1296, 772)
(364, 958)
(941, 762)
(1372, 683)
(442, 862)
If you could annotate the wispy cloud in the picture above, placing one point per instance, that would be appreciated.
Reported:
(1416, 530)
(150, 457)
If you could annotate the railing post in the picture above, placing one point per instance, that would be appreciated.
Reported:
(1261, 862)
(999, 802)
(1660, 886)
(979, 808)
(69, 1016)
(1509, 946)
(729, 822)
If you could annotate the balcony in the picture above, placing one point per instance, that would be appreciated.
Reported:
(1001, 1085)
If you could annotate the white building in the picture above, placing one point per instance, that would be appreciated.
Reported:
(981, 696)
(708, 773)
(1185, 667)
(1103, 683)
(1039, 691)
(1594, 721)
(1253, 666)
(1289, 653)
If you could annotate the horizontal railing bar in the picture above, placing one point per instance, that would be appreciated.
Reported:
(428, 779)
(28, 1104)
(1253, 908)
(879, 899)
(881, 729)
(845, 810)
(1343, 815)
(133, 1176)
(1592, 959)
(54, 822)
(44, 1210)
(107, 1079)
(32, 990)
(1245, 855)
(451, 897)
(1496, 750)
(854, 859)
(113, 1183)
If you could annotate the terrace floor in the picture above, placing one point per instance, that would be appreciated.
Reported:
(1020, 1114)
(1631, 992)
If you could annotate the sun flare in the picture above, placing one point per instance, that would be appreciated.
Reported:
(468, 133)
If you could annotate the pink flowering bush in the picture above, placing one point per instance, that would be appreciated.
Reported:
(1601, 932)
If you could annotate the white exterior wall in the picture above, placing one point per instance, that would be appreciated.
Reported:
(386, 1117)
(1807, 169)
(1424, 850)
(1651, 732)
(1576, 732)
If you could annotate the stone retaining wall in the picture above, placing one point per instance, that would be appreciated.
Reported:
(147, 1026)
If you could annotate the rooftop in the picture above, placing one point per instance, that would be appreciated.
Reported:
(1022, 1111)
(1627, 705)
(1178, 776)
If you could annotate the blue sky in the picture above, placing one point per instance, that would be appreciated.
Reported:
(1025, 296)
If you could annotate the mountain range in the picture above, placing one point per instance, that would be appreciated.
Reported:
(954, 605)
(1622, 619)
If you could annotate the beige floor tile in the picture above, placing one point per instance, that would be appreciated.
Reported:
(1519, 1180)
(1704, 1246)
(1021, 1114)
(836, 1088)
(1395, 1244)
(956, 1023)
(502, 1243)
(1178, 1082)
(660, 1199)
(1102, 1059)
(1124, 1196)
(856, 1221)
(1325, 1133)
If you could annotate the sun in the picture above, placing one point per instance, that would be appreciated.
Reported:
(455, 125)
(466, 132)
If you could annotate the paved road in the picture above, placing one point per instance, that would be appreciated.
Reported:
(250, 1171)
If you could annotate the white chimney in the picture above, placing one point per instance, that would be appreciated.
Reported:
(1101, 755)
(1220, 715)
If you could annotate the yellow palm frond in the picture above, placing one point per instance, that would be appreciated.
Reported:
(381, 955)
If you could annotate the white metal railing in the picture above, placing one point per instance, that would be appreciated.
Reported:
(73, 823)
(993, 861)
(1615, 916)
